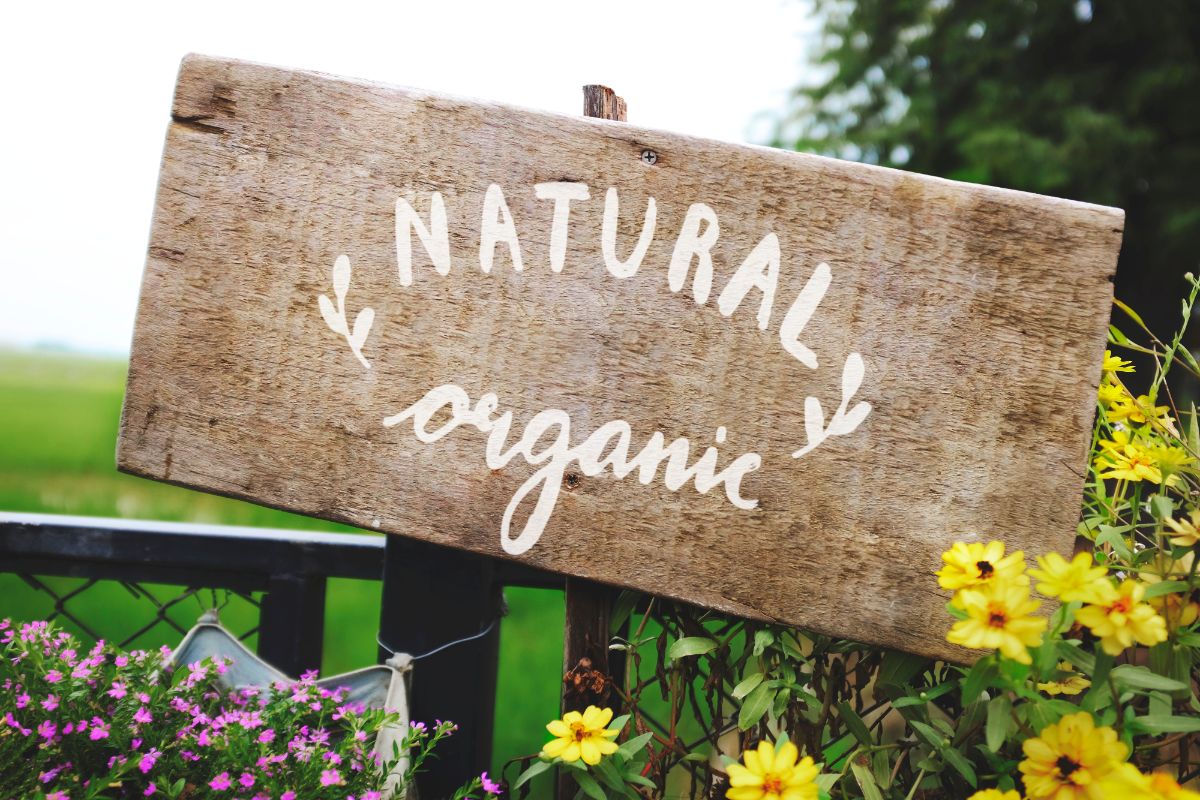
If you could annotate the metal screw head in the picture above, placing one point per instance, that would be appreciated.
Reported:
(649, 156)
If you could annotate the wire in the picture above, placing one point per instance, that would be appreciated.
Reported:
(447, 645)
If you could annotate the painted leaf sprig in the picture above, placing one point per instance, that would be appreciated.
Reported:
(335, 317)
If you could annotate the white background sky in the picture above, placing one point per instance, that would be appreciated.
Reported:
(87, 95)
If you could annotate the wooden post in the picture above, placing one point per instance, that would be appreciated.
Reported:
(589, 667)
(432, 596)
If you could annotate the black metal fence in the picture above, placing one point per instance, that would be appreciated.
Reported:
(431, 597)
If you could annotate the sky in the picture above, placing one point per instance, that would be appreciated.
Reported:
(88, 91)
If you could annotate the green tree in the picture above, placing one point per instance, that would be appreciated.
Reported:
(1096, 101)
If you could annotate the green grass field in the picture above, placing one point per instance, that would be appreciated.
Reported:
(58, 428)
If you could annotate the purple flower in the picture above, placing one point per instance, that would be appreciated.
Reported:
(147, 762)
(22, 700)
(135, 744)
(288, 795)
(150, 789)
(246, 780)
(143, 697)
(54, 676)
(117, 691)
(100, 729)
(58, 796)
(50, 703)
(489, 785)
(267, 736)
(221, 782)
(143, 716)
(47, 729)
(121, 661)
(330, 777)
(370, 796)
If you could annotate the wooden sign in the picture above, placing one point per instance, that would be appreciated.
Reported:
(764, 382)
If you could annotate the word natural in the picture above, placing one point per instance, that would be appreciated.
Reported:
(608, 447)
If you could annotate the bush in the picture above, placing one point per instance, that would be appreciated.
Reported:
(109, 724)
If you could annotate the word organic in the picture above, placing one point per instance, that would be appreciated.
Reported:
(610, 445)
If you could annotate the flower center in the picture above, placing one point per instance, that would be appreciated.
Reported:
(1122, 606)
(579, 731)
(985, 569)
(997, 617)
(1066, 766)
(772, 783)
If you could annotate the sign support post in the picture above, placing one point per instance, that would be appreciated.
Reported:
(588, 604)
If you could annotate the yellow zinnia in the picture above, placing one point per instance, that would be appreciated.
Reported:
(1071, 684)
(999, 617)
(1079, 579)
(1114, 364)
(1179, 609)
(995, 794)
(1161, 786)
(771, 774)
(582, 736)
(1139, 411)
(1125, 620)
(974, 564)
(1073, 760)
(1187, 531)
(1110, 393)
(1128, 458)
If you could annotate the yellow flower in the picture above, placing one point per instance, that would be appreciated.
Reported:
(1114, 364)
(1126, 458)
(1127, 619)
(1110, 393)
(999, 618)
(1127, 781)
(1187, 530)
(1170, 460)
(995, 794)
(976, 564)
(1179, 609)
(582, 736)
(1072, 760)
(1079, 579)
(771, 774)
(1140, 411)
(1072, 684)
(1161, 786)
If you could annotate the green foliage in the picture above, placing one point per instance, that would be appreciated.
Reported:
(1091, 101)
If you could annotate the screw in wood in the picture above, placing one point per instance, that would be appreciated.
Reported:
(649, 156)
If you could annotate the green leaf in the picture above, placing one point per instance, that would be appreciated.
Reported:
(866, 781)
(691, 646)
(978, 678)
(634, 746)
(1078, 658)
(762, 640)
(855, 724)
(535, 769)
(931, 737)
(755, 705)
(898, 669)
(1166, 587)
(626, 602)
(1160, 723)
(999, 722)
(589, 785)
(961, 765)
(747, 685)
(1142, 678)
(609, 775)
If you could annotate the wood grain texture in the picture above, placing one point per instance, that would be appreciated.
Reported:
(980, 314)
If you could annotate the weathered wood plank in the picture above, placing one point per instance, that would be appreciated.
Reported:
(979, 315)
